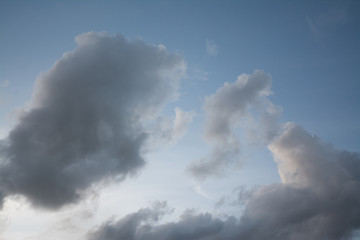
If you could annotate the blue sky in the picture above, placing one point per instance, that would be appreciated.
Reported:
(279, 38)
(310, 48)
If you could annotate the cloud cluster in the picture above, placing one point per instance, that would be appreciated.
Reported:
(318, 199)
(319, 193)
(87, 117)
(231, 106)
(91, 117)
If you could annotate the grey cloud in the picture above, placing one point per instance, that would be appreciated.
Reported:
(349, 161)
(142, 225)
(87, 119)
(319, 196)
(226, 111)
(132, 226)
(320, 184)
(215, 164)
(238, 197)
(318, 199)
(181, 123)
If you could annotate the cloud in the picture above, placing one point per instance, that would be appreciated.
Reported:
(229, 107)
(331, 16)
(198, 189)
(320, 184)
(211, 48)
(181, 122)
(318, 189)
(198, 74)
(165, 130)
(87, 119)
(142, 225)
(317, 199)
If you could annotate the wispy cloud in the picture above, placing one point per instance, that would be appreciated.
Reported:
(211, 47)
(4, 83)
(200, 74)
(331, 17)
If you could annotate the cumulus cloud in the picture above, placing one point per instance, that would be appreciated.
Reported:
(319, 195)
(87, 119)
(211, 48)
(231, 106)
(318, 199)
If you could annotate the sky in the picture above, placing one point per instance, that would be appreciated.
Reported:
(179, 120)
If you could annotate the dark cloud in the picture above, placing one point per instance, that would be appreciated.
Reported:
(86, 119)
(318, 199)
(229, 108)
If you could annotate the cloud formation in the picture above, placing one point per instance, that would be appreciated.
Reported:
(318, 199)
(87, 117)
(226, 110)
(320, 187)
